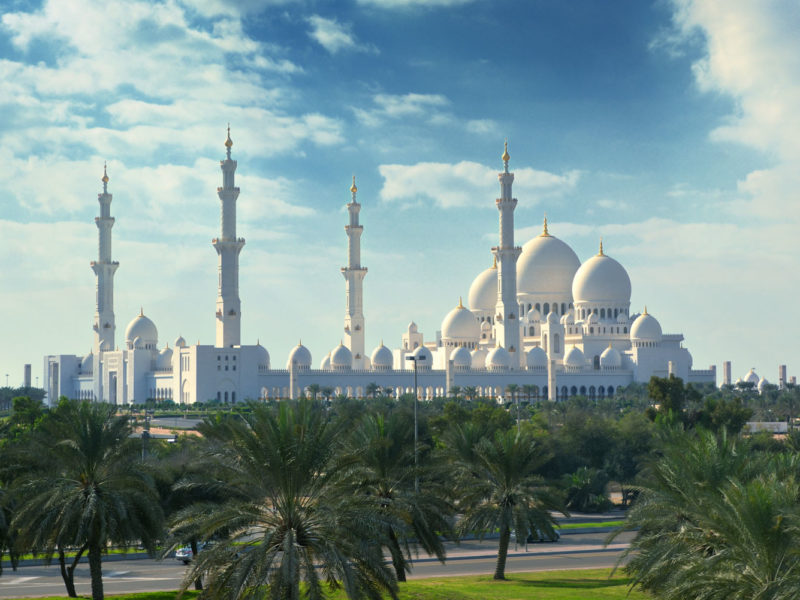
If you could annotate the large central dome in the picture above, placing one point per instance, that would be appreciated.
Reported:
(483, 291)
(546, 266)
(601, 279)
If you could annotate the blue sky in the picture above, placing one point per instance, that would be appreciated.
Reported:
(669, 128)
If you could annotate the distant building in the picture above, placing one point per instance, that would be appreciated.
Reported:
(537, 316)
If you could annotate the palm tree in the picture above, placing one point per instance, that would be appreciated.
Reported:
(314, 389)
(455, 391)
(381, 448)
(372, 389)
(289, 517)
(90, 491)
(499, 487)
(471, 392)
(513, 389)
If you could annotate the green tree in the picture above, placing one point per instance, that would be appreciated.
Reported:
(289, 516)
(382, 448)
(499, 487)
(87, 489)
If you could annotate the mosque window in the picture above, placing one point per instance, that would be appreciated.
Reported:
(556, 343)
(616, 313)
(234, 358)
(538, 307)
(529, 306)
(591, 330)
(226, 358)
(602, 313)
(226, 396)
(563, 308)
(233, 396)
(219, 396)
(546, 309)
(226, 367)
(234, 367)
(533, 331)
(624, 330)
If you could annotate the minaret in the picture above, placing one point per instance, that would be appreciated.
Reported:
(104, 269)
(228, 246)
(507, 311)
(354, 275)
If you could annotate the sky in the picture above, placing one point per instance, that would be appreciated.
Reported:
(668, 128)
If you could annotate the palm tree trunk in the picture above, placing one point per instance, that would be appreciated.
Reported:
(96, 571)
(502, 552)
(198, 583)
(68, 573)
(397, 556)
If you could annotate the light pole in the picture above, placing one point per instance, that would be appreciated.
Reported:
(416, 359)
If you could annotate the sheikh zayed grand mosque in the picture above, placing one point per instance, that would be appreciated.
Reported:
(538, 316)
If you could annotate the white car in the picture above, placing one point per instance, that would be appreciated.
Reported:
(185, 555)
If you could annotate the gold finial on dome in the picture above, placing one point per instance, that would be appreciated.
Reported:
(600, 253)
(300, 342)
(460, 303)
(545, 233)
(141, 311)
(505, 156)
(353, 188)
(645, 309)
(494, 261)
(609, 345)
(105, 174)
(228, 140)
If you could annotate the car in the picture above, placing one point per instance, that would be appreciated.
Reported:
(185, 555)
(538, 535)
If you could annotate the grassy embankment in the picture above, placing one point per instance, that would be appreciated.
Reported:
(553, 585)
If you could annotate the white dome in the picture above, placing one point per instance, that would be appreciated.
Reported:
(610, 358)
(574, 358)
(412, 327)
(164, 360)
(87, 363)
(602, 279)
(136, 342)
(461, 325)
(483, 291)
(341, 357)
(552, 318)
(461, 357)
(325, 365)
(534, 316)
(645, 328)
(762, 383)
(751, 377)
(479, 358)
(592, 319)
(180, 342)
(546, 266)
(423, 356)
(622, 318)
(498, 358)
(537, 358)
(300, 356)
(262, 356)
(143, 328)
(486, 327)
(382, 358)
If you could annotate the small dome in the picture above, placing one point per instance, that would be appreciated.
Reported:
(546, 266)
(762, 383)
(552, 318)
(341, 357)
(622, 318)
(534, 316)
(566, 319)
(412, 327)
(751, 377)
(423, 357)
(300, 356)
(498, 358)
(645, 329)
(143, 328)
(486, 327)
(592, 319)
(461, 357)
(180, 342)
(574, 358)
(602, 279)
(325, 365)
(164, 360)
(382, 358)
(262, 356)
(87, 363)
(537, 358)
(461, 325)
(610, 358)
(483, 291)
(479, 358)
(136, 343)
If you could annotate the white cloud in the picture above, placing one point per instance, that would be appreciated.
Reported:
(334, 36)
(395, 4)
(395, 106)
(466, 183)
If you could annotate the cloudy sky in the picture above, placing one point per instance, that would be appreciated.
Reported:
(670, 129)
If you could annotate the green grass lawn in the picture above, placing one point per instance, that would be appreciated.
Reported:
(594, 584)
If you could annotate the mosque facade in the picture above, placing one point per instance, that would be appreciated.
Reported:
(538, 317)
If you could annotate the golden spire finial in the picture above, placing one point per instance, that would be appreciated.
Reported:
(141, 311)
(505, 156)
(601, 248)
(494, 261)
(105, 173)
(353, 188)
(229, 141)
(645, 309)
(381, 341)
(609, 345)
(460, 303)
(545, 233)
(300, 342)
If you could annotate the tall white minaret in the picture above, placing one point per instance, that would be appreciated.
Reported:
(104, 269)
(228, 246)
(507, 311)
(354, 275)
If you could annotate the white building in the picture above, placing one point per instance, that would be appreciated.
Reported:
(537, 316)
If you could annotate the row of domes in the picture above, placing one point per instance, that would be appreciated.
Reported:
(549, 268)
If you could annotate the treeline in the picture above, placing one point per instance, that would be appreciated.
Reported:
(318, 492)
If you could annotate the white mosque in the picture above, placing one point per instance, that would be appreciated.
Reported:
(537, 317)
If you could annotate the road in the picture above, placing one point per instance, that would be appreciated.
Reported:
(575, 551)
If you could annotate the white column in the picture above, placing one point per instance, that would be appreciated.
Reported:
(354, 275)
(507, 310)
(104, 269)
(228, 247)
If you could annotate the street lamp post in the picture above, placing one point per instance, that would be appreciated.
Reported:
(415, 360)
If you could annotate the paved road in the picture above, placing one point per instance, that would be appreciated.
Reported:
(576, 551)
